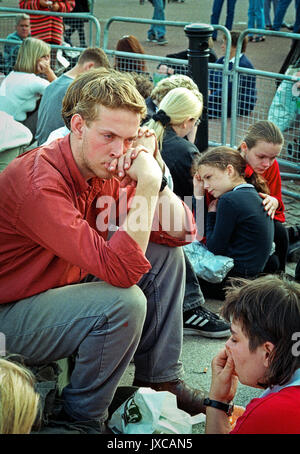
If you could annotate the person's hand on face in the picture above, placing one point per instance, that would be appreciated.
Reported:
(198, 186)
(224, 379)
(43, 65)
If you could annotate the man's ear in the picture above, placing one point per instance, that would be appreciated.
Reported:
(77, 123)
(88, 65)
(268, 348)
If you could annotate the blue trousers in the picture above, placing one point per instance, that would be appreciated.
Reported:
(216, 12)
(105, 327)
(158, 31)
(280, 12)
(256, 17)
(267, 10)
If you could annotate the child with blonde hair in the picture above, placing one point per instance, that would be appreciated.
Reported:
(18, 399)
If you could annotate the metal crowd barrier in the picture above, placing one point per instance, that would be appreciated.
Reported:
(216, 135)
(82, 23)
(267, 87)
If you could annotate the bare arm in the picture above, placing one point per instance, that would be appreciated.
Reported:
(223, 388)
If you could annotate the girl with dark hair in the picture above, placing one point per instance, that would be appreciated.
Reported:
(237, 225)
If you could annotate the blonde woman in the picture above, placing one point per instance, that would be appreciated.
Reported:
(23, 87)
(177, 117)
(18, 400)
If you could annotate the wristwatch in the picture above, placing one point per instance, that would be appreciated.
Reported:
(164, 183)
(228, 408)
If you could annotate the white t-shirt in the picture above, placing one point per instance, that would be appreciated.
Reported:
(19, 93)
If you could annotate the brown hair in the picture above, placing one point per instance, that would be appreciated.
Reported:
(221, 157)
(96, 55)
(234, 39)
(100, 86)
(143, 84)
(265, 131)
(268, 309)
(130, 43)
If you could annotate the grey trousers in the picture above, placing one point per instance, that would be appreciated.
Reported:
(105, 327)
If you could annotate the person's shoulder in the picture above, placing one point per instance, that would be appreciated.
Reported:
(277, 412)
(244, 61)
(14, 36)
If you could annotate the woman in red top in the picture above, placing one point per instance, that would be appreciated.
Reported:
(260, 148)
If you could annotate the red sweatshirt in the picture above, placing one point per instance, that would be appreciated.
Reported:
(276, 413)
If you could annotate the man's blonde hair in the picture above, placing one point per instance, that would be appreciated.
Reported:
(18, 400)
(31, 50)
(108, 88)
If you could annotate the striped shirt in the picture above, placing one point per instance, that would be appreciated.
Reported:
(47, 28)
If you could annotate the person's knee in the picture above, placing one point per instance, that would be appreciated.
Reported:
(134, 304)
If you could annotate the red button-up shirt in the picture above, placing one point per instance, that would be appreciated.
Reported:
(54, 226)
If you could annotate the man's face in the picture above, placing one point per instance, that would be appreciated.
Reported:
(105, 139)
(23, 28)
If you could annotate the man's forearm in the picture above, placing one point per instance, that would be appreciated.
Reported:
(172, 215)
(139, 220)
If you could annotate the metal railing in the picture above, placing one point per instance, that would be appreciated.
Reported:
(76, 18)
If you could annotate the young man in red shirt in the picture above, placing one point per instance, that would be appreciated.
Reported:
(69, 286)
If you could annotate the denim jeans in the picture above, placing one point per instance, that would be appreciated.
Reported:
(267, 10)
(105, 327)
(280, 12)
(193, 297)
(158, 31)
(216, 12)
(256, 18)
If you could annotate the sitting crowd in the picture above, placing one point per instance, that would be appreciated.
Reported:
(92, 227)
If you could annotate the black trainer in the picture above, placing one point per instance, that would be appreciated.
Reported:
(152, 39)
(202, 322)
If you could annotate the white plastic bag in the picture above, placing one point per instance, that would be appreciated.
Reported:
(150, 412)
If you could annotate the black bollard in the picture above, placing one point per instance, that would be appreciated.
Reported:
(198, 54)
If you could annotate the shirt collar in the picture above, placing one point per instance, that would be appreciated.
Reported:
(243, 185)
(294, 381)
(72, 171)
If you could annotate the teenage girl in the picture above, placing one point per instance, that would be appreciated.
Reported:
(260, 148)
(237, 225)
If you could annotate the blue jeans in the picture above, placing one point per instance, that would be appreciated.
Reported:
(193, 297)
(158, 31)
(105, 327)
(216, 12)
(267, 10)
(280, 12)
(256, 18)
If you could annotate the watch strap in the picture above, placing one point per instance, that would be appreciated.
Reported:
(227, 408)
